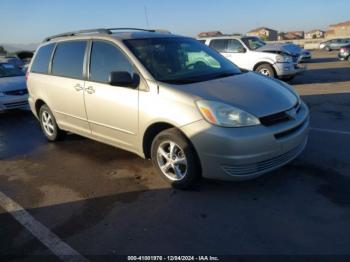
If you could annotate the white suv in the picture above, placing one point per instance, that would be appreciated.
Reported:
(251, 53)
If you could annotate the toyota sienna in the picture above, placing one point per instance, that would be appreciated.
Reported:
(167, 98)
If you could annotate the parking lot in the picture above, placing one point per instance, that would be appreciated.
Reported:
(100, 200)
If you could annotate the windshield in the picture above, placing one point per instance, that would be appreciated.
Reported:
(253, 43)
(10, 70)
(180, 60)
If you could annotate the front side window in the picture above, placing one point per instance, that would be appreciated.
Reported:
(10, 70)
(68, 60)
(180, 60)
(253, 43)
(107, 58)
(234, 46)
(42, 59)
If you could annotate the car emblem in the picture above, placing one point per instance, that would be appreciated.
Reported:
(292, 113)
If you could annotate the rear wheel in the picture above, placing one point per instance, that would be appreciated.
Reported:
(49, 125)
(175, 159)
(266, 70)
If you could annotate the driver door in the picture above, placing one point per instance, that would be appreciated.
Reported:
(112, 111)
(237, 52)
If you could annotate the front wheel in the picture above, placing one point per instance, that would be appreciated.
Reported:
(49, 125)
(175, 159)
(266, 70)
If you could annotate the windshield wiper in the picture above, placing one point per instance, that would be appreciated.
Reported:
(196, 79)
(225, 74)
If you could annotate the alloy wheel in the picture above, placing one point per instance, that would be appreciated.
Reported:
(47, 123)
(172, 161)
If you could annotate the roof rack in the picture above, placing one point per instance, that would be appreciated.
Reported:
(97, 30)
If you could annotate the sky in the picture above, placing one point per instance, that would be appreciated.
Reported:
(32, 20)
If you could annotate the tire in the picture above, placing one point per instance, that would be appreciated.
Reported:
(328, 49)
(49, 125)
(266, 70)
(184, 159)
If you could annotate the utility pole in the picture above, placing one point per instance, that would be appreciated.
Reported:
(146, 15)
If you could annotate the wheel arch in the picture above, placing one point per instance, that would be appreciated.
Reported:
(263, 63)
(38, 104)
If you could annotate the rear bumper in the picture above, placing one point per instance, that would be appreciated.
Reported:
(246, 153)
(289, 69)
(13, 102)
(31, 103)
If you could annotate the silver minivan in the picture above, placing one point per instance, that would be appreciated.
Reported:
(167, 98)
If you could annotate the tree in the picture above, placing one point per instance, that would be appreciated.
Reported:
(2, 50)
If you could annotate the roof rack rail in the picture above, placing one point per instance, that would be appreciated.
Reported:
(97, 30)
(131, 29)
(80, 32)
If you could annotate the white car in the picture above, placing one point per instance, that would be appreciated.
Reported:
(251, 53)
(13, 88)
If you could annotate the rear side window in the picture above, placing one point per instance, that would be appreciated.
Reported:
(219, 45)
(68, 60)
(234, 46)
(42, 59)
(107, 58)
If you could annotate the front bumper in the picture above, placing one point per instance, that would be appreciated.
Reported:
(289, 69)
(9, 102)
(245, 153)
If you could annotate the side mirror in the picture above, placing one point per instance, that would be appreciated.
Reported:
(124, 79)
(242, 50)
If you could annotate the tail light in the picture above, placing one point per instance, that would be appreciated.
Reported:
(27, 75)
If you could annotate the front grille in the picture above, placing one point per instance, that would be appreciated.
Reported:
(295, 58)
(16, 92)
(278, 117)
(264, 166)
(289, 131)
(16, 104)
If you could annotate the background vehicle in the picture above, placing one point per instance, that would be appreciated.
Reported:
(168, 98)
(13, 60)
(344, 53)
(334, 44)
(13, 90)
(253, 54)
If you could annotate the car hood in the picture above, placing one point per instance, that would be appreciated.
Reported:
(286, 48)
(12, 83)
(256, 94)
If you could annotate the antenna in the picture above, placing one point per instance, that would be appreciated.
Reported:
(146, 15)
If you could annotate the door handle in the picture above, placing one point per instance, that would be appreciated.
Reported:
(78, 87)
(90, 90)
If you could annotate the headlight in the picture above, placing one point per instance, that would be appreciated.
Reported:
(224, 115)
(284, 59)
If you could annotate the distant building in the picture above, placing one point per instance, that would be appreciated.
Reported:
(339, 30)
(210, 34)
(314, 34)
(264, 33)
(293, 35)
